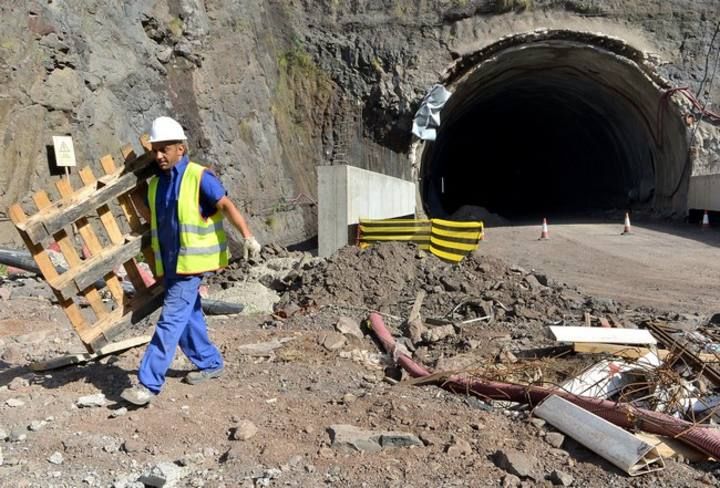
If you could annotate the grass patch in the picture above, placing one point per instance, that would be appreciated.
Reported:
(296, 59)
(176, 27)
(502, 6)
(246, 132)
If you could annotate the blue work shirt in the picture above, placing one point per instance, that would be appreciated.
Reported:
(166, 209)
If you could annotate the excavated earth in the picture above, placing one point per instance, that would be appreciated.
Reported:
(291, 376)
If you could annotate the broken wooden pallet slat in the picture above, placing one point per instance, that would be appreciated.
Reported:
(71, 256)
(83, 203)
(93, 244)
(117, 237)
(126, 205)
(70, 359)
(631, 352)
(136, 199)
(109, 167)
(121, 318)
(78, 322)
(78, 278)
(670, 448)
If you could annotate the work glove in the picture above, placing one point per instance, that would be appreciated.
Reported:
(250, 248)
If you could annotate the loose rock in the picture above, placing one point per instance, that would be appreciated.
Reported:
(346, 325)
(560, 478)
(515, 462)
(244, 431)
(163, 475)
(333, 341)
(89, 401)
(56, 458)
(555, 439)
(356, 439)
(14, 402)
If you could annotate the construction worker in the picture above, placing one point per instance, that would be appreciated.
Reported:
(187, 204)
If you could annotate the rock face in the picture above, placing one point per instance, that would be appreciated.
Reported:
(269, 90)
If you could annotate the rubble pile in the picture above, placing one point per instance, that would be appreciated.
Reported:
(483, 317)
(481, 296)
(387, 277)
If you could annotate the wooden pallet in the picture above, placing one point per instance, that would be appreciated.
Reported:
(92, 258)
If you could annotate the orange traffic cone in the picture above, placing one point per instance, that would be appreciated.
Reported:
(706, 221)
(627, 229)
(544, 234)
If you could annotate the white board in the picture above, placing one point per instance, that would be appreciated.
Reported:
(64, 151)
(603, 335)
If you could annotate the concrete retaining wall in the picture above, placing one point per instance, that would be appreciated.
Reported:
(704, 192)
(347, 194)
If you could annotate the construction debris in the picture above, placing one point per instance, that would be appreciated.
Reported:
(622, 414)
(492, 352)
(602, 335)
(618, 446)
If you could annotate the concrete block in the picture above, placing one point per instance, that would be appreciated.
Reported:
(347, 194)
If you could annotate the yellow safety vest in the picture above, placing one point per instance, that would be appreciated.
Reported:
(203, 243)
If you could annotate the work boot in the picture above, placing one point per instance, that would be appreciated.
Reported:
(138, 395)
(195, 377)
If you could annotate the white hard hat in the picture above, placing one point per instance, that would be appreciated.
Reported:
(166, 129)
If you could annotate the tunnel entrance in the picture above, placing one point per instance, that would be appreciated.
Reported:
(555, 123)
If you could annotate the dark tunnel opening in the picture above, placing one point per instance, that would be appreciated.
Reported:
(554, 128)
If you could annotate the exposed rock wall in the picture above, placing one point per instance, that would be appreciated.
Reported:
(268, 90)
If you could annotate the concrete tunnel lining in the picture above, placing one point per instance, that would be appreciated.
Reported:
(556, 123)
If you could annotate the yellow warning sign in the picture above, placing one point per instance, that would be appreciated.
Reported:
(64, 151)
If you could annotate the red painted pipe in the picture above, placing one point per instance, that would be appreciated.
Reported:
(705, 439)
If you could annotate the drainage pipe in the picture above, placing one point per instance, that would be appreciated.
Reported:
(705, 439)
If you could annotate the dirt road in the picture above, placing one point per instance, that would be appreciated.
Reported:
(670, 266)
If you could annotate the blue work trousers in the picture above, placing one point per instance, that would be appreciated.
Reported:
(181, 323)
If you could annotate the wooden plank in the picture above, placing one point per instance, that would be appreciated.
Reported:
(71, 256)
(108, 164)
(78, 358)
(145, 143)
(668, 447)
(128, 153)
(93, 244)
(126, 204)
(122, 317)
(133, 162)
(603, 335)
(96, 268)
(116, 236)
(84, 202)
(77, 321)
(630, 352)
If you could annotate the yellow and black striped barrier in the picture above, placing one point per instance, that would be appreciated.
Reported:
(452, 240)
(410, 230)
(449, 240)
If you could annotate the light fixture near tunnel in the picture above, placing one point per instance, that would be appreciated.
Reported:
(557, 123)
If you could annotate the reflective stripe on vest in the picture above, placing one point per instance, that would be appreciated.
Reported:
(203, 243)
